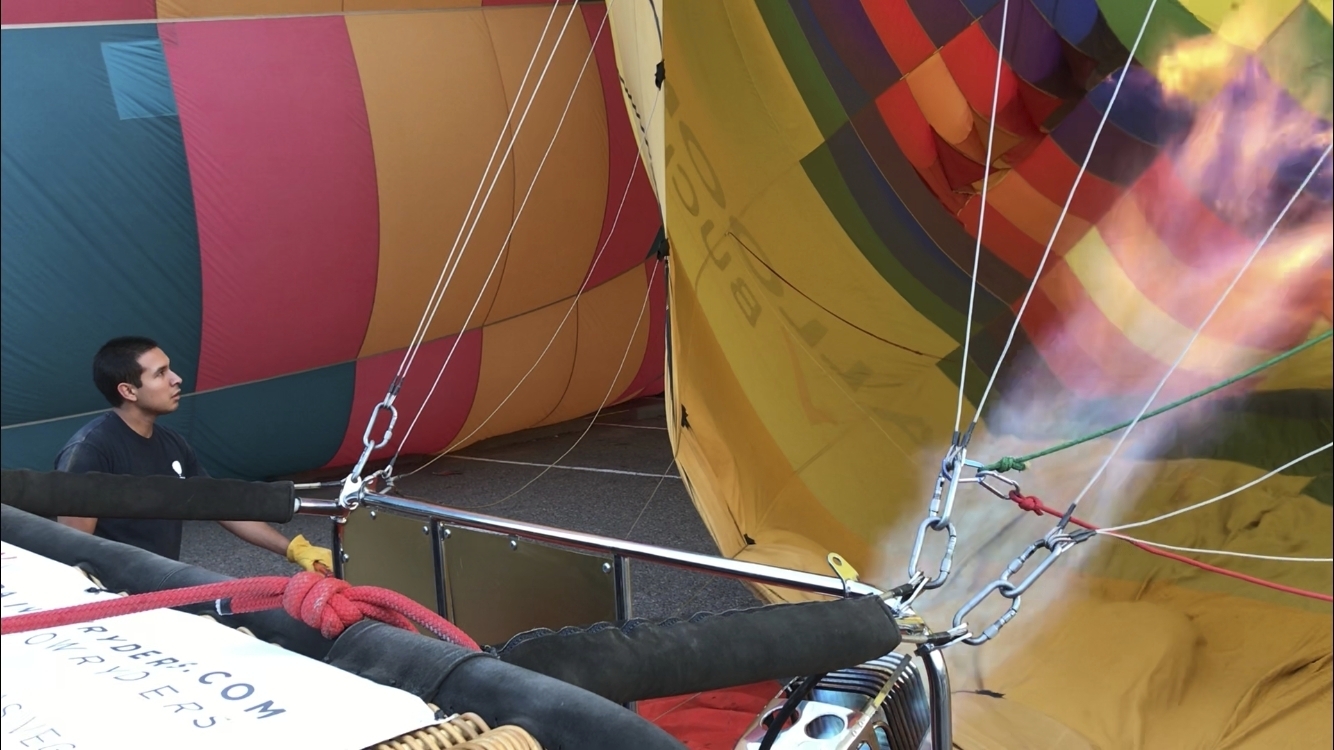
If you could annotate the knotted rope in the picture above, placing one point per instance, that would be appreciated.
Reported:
(330, 604)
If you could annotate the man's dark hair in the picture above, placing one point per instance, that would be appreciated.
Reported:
(118, 362)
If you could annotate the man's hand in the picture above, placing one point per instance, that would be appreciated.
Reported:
(308, 556)
(259, 534)
(86, 525)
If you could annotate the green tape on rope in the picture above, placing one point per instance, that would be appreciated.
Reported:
(1019, 463)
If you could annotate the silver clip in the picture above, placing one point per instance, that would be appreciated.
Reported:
(1056, 543)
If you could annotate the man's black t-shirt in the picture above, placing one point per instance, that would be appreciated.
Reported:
(108, 445)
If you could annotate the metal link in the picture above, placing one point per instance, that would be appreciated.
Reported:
(387, 404)
(946, 560)
(938, 519)
(369, 446)
(994, 628)
(354, 485)
(1056, 543)
(948, 510)
(983, 476)
(942, 481)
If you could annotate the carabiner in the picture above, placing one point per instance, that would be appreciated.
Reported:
(946, 560)
(387, 404)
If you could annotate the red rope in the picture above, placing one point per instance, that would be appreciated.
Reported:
(323, 602)
(1034, 505)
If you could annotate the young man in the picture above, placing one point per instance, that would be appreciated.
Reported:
(135, 376)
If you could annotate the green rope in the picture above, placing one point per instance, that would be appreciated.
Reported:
(1013, 463)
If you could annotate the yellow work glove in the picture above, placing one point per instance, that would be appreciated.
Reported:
(308, 556)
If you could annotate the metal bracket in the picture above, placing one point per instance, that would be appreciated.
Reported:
(844, 570)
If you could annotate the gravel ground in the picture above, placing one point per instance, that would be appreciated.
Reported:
(628, 438)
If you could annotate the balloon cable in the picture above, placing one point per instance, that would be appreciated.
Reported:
(634, 169)
(500, 253)
(605, 399)
(1212, 500)
(1020, 463)
(666, 472)
(981, 217)
(456, 251)
(1060, 220)
(1036, 506)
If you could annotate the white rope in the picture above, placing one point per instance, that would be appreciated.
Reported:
(981, 217)
(1065, 209)
(504, 243)
(634, 169)
(1228, 553)
(593, 469)
(647, 294)
(1212, 500)
(666, 472)
(456, 251)
(1200, 329)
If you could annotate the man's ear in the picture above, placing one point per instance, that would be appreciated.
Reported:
(127, 392)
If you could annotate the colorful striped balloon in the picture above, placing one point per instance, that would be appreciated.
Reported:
(823, 166)
(273, 198)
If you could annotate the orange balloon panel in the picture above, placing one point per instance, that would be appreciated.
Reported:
(430, 154)
(557, 233)
(613, 324)
(512, 393)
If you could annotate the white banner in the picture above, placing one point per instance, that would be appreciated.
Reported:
(165, 679)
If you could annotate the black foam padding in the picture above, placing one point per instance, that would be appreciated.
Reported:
(557, 714)
(98, 495)
(638, 659)
(457, 680)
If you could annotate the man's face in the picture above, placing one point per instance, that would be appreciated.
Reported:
(160, 392)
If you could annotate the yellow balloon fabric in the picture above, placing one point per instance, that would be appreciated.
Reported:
(822, 167)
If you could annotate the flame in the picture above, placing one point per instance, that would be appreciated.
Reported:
(1244, 158)
(1227, 177)
(1248, 148)
(1239, 143)
(1197, 69)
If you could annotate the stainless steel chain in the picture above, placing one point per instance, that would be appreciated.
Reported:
(1056, 542)
(350, 496)
(938, 519)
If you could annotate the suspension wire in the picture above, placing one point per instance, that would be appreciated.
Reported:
(666, 472)
(501, 252)
(1200, 329)
(1020, 463)
(353, 481)
(1034, 505)
(442, 283)
(938, 518)
(1060, 220)
(653, 275)
(500, 137)
(582, 288)
(981, 217)
(1212, 500)
(1057, 541)
(1228, 553)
